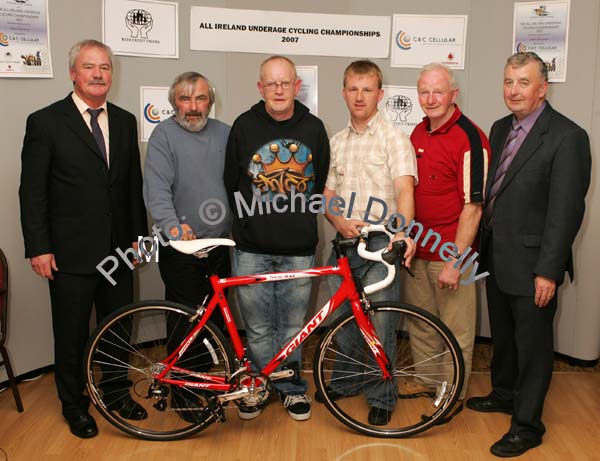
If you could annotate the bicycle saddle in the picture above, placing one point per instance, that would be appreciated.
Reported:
(190, 247)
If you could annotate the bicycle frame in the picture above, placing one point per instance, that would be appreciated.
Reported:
(346, 291)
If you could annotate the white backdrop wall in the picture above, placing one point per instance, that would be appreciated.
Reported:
(234, 76)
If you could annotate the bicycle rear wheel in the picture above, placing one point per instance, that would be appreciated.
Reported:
(427, 374)
(125, 354)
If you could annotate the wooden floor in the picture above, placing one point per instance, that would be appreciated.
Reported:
(572, 417)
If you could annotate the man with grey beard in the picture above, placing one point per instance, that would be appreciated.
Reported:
(185, 195)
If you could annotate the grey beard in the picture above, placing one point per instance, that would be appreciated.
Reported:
(193, 127)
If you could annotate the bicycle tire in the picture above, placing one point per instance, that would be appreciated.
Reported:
(424, 390)
(124, 353)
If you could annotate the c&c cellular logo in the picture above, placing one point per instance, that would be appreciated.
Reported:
(151, 113)
(521, 47)
(3, 39)
(403, 40)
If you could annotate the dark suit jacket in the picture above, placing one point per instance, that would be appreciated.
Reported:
(71, 204)
(539, 207)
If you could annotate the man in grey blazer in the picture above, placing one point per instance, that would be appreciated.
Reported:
(535, 201)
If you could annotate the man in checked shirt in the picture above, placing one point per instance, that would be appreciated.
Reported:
(372, 159)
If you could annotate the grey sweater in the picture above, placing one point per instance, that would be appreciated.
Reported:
(183, 178)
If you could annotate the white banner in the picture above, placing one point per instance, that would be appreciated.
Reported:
(544, 29)
(400, 105)
(141, 28)
(420, 39)
(284, 32)
(155, 107)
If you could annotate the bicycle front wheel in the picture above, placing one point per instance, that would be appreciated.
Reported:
(425, 362)
(126, 353)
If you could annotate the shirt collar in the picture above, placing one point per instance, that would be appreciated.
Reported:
(82, 107)
(446, 126)
(371, 125)
(527, 123)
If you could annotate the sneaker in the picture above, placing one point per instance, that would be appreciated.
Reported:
(298, 406)
(246, 413)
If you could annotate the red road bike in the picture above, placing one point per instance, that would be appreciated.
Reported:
(183, 370)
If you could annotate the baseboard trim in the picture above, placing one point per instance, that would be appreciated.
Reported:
(572, 361)
(29, 376)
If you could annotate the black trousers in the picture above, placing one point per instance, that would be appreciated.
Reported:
(186, 282)
(523, 339)
(186, 277)
(72, 297)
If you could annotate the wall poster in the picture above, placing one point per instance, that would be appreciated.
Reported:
(24, 39)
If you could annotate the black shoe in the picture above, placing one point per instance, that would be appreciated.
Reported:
(298, 406)
(512, 445)
(128, 409)
(82, 425)
(379, 416)
(490, 404)
(333, 395)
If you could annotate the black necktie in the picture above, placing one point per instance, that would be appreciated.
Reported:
(97, 132)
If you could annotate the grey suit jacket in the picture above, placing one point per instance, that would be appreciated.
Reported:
(540, 205)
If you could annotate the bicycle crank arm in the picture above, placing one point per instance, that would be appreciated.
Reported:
(233, 395)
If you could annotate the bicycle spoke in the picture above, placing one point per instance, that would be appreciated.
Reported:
(425, 381)
(127, 353)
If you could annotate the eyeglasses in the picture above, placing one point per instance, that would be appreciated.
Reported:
(272, 86)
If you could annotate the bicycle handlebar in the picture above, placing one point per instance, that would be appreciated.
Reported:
(383, 256)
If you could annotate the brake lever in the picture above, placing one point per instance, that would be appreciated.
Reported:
(411, 273)
(397, 251)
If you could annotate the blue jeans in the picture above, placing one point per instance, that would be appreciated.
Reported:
(274, 311)
(379, 394)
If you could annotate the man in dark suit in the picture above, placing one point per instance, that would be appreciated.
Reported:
(81, 198)
(536, 187)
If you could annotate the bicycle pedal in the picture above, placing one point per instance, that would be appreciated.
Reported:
(282, 374)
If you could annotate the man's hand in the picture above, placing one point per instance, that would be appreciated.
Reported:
(136, 247)
(182, 232)
(43, 265)
(411, 247)
(545, 289)
(449, 276)
(350, 227)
